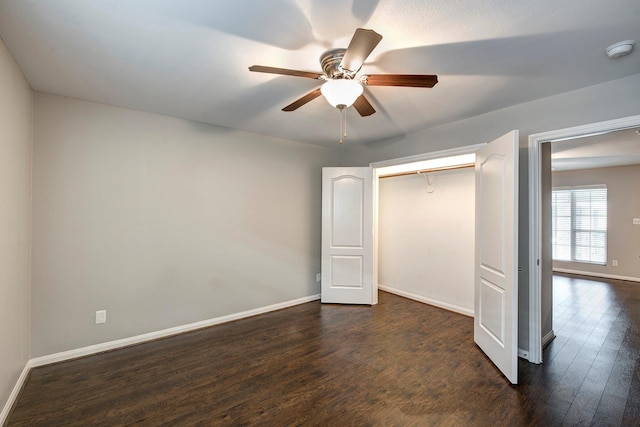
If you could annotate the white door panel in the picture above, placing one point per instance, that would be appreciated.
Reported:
(347, 240)
(496, 287)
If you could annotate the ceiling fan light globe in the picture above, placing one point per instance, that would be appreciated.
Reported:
(341, 92)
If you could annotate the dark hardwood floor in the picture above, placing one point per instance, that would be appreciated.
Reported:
(399, 363)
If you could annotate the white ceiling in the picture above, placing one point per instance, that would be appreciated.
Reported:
(620, 148)
(189, 58)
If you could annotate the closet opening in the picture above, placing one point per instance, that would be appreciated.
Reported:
(425, 228)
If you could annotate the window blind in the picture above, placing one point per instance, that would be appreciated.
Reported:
(579, 224)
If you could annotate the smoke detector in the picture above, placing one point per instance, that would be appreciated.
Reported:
(620, 49)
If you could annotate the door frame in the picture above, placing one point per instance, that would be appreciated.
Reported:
(535, 215)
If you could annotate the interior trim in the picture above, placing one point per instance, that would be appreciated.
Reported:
(535, 225)
(15, 392)
(427, 156)
(548, 338)
(593, 274)
(138, 339)
(112, 345)
(425, 300)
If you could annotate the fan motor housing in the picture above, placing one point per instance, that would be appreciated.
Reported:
(330, 62)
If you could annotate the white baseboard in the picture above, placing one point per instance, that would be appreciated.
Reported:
(547, 338)
(601, 275)
(112, 345)
(14, 393)
(426, 300)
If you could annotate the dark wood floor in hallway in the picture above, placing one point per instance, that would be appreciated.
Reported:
(399, 363)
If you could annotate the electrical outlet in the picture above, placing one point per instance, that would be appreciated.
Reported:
(318, 277)
(636, 221)
(101, 316)
(614, 263)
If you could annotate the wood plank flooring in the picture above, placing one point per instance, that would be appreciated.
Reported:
(399, 363)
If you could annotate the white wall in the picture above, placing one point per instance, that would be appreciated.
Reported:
(546, 256)
(606, 101)
(163, 222)
(16, 105)
(426, 239)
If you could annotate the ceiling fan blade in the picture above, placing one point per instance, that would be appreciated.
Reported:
(301, 101)
(285, 71)
(363, 106)
(406, 80)
(361, 45)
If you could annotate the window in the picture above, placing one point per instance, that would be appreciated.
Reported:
(579, 227)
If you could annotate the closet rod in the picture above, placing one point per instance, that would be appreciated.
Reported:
(444, 168)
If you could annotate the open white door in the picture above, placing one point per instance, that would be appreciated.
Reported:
(496, 275)
(347, 236)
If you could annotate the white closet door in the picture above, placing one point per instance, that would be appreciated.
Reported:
(496, 276)
(347, 236)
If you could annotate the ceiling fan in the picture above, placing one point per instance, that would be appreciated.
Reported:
(342, 88)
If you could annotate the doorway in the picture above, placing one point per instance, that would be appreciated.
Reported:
(426, 220)
(496, 247)
(496, 243)
(540, 265)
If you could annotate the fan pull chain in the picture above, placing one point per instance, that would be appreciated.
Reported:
(343, 122)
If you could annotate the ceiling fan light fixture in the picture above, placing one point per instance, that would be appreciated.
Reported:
(341, 92)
